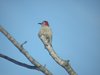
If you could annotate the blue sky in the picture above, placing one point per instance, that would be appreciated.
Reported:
(76, 34)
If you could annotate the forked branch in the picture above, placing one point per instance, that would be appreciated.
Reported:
(25, 53)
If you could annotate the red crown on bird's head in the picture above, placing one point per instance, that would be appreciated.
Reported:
(44, 23)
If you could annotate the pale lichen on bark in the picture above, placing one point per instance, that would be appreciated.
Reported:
(64, 63)
(25, 53)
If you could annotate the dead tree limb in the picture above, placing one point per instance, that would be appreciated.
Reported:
(17, 62)
(64, 63)
(25, 53)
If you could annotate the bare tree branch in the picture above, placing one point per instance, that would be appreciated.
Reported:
(25, 53)
(17, 62)
(23, 43)
(64, 63)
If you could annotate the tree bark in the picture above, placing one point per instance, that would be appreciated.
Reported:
(25, 53)
(64, 63)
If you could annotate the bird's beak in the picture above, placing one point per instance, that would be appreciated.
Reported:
(40, 23)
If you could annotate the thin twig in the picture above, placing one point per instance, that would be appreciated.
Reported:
(23, 43)
(25, 53)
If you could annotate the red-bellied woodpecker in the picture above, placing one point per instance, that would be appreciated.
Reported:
(46, 31)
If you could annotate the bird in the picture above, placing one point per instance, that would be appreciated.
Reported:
(45, 31)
